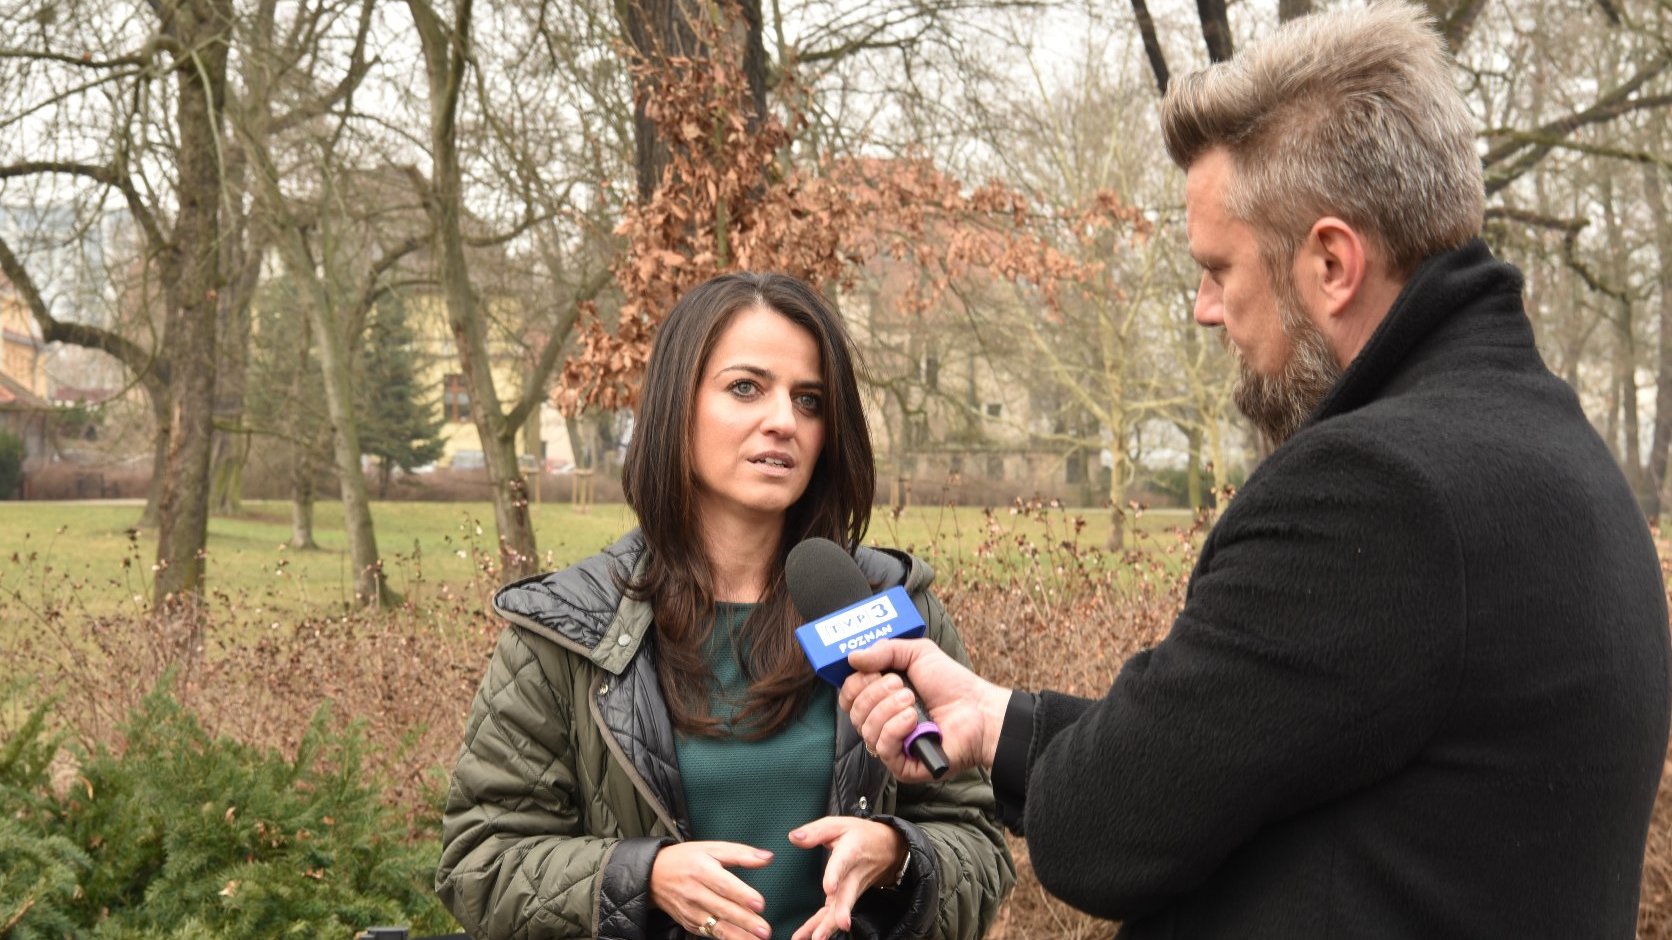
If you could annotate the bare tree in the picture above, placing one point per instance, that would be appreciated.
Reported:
(187, 41)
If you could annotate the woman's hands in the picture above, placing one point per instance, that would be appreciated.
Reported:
(689, 882)
(863, 854)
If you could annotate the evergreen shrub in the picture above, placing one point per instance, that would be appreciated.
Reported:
(11, 464)
(179, 835)
(39, 871)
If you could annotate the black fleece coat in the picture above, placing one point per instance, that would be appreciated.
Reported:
(1419, 688)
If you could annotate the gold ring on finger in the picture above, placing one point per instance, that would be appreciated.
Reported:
(707, 928)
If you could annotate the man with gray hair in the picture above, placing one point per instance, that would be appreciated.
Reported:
(1420, 684)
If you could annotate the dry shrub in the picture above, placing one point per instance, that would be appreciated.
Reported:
(406, 676)
(1048, 611)
(88, 481)
(1654, 911)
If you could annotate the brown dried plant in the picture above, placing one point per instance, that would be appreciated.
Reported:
(733, 198)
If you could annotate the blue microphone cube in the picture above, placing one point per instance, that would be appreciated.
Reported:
(828, 640)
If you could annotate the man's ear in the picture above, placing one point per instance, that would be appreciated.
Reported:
(1331, 267)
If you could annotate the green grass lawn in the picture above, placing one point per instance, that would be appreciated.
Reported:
(85, 556)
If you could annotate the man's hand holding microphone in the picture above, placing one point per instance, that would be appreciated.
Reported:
(969, 710)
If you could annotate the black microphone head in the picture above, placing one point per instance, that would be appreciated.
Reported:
(823, 578)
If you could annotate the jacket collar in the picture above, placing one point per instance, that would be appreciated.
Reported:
(1463, 294)
(583, 607)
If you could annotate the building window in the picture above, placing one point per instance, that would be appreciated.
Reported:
(995, 466)
(455, 399)
(994, 409)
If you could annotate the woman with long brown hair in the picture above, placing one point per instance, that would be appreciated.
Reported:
(650, 754)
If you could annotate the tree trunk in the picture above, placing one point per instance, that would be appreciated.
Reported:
(1193, 469)
(1625, 351)
(371, 588)
(305, 443)
(1152, 45)
(302, 498)
(1216, 29)
(657, 30)
(578, 443)
(231, 448)
(1655, 195)
(446, 55)
(161, 410)
(183, 509)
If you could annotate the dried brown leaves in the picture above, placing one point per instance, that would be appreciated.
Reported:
(730, 199)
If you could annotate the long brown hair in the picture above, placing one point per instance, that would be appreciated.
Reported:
(660, 486)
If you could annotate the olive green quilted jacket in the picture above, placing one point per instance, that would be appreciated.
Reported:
(568, 782)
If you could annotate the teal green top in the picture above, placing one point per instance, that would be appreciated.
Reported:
(755, 792)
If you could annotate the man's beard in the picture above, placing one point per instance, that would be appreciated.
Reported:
(1279, 404)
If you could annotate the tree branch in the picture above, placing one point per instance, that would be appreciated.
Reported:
(534, 390)
(138, 360)
(1543, 145)
(109, 176)
(1152, 45)
(358, 67)
(1527, 217)
(1539, 142)
(370, 289)
(85, 60)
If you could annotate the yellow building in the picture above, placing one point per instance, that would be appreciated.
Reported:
(440, 369)
(23, 385)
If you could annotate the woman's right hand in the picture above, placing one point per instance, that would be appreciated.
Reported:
(689, 882)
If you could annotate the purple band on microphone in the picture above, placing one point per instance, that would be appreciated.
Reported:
(923, 728)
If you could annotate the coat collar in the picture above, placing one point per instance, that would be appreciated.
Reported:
(1463, 294)
(583, 608)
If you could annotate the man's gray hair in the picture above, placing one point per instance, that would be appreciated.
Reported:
(1350, 113)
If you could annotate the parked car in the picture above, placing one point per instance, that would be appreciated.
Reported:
(467, 460)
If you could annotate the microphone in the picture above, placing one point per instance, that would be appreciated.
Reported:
(843, 616)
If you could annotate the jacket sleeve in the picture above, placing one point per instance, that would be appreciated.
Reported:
(1319, 647)
(959, 869)
(515, 859)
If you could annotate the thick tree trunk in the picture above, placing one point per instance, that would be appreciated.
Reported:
(657, 30)
(661, 29)
(199, 26)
